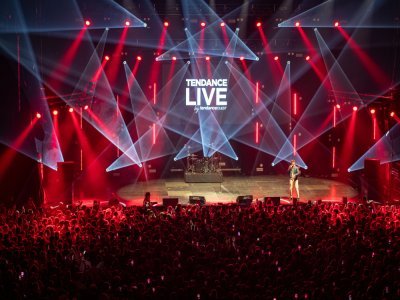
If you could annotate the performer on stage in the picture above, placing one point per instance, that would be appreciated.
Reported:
(147, 201)
(294, 173)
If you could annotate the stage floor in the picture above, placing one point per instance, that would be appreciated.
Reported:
(227, 191)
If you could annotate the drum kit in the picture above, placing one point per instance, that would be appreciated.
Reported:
(196, 164)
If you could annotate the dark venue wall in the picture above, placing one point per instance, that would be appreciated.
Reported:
(19, 174)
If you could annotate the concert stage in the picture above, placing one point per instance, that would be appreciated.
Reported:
(231, 187)
(213, 177)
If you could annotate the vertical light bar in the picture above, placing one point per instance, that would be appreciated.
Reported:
(116, 117)
(374, 127)
(154, 93)
(81, 124)
(257, 87)
(81, 159)
(154, 133)
(257, 133)
(81, 119)
(41, 169)
(333, 157)
(295, 104)
(334, 116)
(294, 144)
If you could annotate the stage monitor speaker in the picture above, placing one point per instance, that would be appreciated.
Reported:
(374, 179)
(170, 201)
(276, 201)
(244, 200)
(201, 200)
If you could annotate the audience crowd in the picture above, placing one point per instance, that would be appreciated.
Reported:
(314, 251)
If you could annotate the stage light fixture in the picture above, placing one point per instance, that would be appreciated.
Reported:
(222, 24)
(88, 23)
(139, 58)
(38, 115)
(308, 57)
(241, 58)
(173, 57)
(392, 114)
(258, 24)
(107, 57)
(372, 111)
(166, 24)
(207, 58)
(336, 24)
(55, 112)
(338, 106)
(276, 57)
(127, 23)
(355, 108)
(203, 24)
(71, 110)
(86, 107)
(297, 24)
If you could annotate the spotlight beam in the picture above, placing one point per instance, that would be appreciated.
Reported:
(339, 81)
(211, 29)
(25, 56)
(54, 17)
(386, 149)
(105, 116)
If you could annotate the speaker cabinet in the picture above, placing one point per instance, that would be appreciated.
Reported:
(244, 200)
(201, 200)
